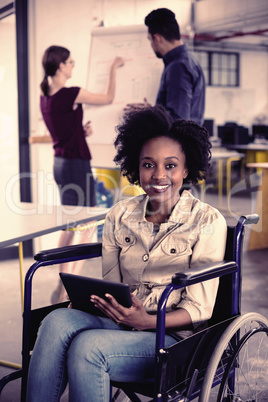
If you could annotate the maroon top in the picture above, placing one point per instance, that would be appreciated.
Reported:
(65, 123)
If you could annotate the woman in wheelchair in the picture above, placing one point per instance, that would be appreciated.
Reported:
(146, 240)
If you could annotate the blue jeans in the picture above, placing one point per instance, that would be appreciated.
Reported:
(87, 351)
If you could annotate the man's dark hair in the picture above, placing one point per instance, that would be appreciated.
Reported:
(163, 22)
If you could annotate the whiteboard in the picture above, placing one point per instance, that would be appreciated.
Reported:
(139, 78)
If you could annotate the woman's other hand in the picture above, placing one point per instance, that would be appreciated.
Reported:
(134, 316)
(88, 131)
(134, 107)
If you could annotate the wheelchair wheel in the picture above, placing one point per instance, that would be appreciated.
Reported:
(238, 368)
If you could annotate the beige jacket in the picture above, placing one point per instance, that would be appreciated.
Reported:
(194, 234)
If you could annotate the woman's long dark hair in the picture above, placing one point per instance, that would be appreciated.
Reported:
(53, 56)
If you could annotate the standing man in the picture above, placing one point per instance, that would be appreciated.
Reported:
(182, 86)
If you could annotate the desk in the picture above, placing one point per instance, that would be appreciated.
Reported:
(255, 153)
(219, 155)
(259, 236)
(25, 221)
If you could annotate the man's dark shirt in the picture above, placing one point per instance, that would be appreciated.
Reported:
(182, 87)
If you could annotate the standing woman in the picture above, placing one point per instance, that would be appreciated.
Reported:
(62, 112)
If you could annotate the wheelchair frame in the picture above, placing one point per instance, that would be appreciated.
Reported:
(212, 357)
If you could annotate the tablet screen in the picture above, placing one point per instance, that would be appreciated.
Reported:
(80, 288)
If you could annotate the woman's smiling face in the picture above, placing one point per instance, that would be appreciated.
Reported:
(162, 170)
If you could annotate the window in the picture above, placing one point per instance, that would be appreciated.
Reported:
(220, 68)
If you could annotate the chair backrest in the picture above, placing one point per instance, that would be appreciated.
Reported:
(228, 299)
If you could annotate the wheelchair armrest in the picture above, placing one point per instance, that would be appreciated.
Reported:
(89, 249)
(204, 272)
(194, 275)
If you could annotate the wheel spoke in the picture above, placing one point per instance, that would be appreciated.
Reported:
(242, 353)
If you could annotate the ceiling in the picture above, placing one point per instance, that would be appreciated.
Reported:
(236, 24)
(7, 7)
(224, 24)
(256, 39)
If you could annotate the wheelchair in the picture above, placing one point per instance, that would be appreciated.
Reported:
(227, 361)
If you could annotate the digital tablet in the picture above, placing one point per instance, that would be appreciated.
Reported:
(80, 288)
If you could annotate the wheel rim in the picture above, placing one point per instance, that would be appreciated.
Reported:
(250, 369)
(245, 324)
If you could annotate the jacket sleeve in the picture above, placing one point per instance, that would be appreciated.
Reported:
(199, 299)
(110, 252)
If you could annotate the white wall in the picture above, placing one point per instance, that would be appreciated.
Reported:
(254, 77)
(247, 102)
(69, 24)
(9, 156)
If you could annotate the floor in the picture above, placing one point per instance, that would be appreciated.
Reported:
(254, 295)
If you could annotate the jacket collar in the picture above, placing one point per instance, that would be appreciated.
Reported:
(180, 213)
